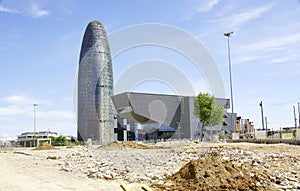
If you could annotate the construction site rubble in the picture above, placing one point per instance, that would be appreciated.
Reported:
(264, 170)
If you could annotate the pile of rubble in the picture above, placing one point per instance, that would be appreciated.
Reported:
(134, 165)
(128, 144)
(159, 166)
(44, 146)
(213, 173)
(282, 169)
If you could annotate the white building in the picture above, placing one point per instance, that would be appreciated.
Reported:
(33, 139)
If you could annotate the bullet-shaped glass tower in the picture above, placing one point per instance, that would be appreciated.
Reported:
(95, 114)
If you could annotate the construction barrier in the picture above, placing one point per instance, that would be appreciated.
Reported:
(269, 141)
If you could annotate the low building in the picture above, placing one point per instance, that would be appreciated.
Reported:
(33, 139)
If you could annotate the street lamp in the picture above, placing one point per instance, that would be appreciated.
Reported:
(34, 115)
(262, 115)
(228, 35)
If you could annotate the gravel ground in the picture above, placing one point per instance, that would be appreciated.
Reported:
(154, 164)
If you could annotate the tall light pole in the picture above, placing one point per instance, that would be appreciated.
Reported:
(228, 35)
(262, 115)
(299, 113)
(34, 116)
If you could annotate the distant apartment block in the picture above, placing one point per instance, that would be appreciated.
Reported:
(244, 125)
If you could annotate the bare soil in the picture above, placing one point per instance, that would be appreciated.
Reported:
(213, 173)
(44, 146)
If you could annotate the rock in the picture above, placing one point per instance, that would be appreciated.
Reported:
(114, 175)
(251, 174)
(107, 177)
(66, 169)
(91, 171)
(237, 175)
(53, 157)
(254, 163)
(297, 185)
(154, 178)
(292, 179)
(131, 179)
(266, 165)
(272, 178)
(93, 176)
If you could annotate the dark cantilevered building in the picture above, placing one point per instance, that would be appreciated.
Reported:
(95, 112)
(171, 111)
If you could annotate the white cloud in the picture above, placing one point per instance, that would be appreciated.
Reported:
(31, 8)
(8, 10)
(207, 5)
(21, 99)
(36, 12)
(17, 105)
(281, 59)
(12, 111)
(274, 49)
(274, 43)
(202, 6)
(243, 59)
(241, 18)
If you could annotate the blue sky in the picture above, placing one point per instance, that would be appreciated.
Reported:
(40, 42)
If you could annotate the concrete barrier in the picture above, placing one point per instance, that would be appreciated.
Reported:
(235, 136)
(287, 135)
(269, 141)
(260, 134)
(298, 134)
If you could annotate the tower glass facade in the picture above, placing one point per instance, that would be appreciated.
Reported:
(95, 87)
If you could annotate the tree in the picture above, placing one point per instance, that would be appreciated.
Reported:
(59, 141)
(208, 112)
(217, 114)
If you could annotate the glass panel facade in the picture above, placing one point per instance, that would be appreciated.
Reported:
(95, 87)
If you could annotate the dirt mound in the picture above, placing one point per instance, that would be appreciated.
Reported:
(213, 173)
(45, 146)
(129, 144)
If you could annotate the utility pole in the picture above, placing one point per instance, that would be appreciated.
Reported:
(299, 113)
(295, 117)
(262, 115)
